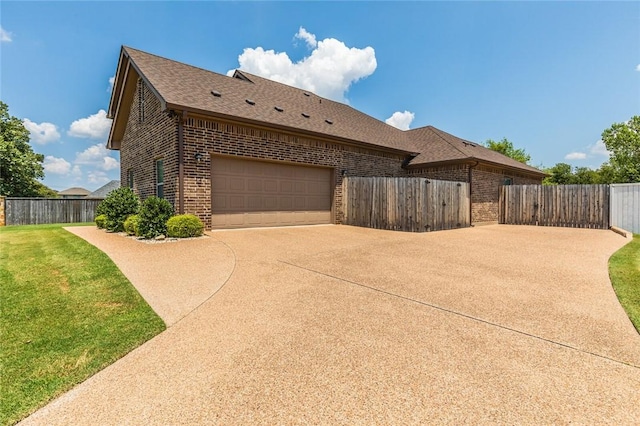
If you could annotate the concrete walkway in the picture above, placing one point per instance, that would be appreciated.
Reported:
(343, 325)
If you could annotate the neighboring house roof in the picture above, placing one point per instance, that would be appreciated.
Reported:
(105, 189)
(75, 191)
(246, 97)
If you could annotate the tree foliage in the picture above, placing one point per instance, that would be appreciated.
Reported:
(20, 167)
(564, 174)
(623, 141)
(506, 147)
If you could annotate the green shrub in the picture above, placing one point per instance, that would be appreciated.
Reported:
(101, 221)
(184, 226)
(118, 206)
(154, 214)
(132, 225)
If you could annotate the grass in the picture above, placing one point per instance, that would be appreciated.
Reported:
(66, 312)
(624, 271)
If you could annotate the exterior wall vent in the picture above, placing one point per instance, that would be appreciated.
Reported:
(306, 94)
(328, 121)
(277, 108)
(250, 101)
(305, 115)
(216, 93)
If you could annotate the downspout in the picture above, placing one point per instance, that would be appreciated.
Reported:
(470, 180)
(181, 120)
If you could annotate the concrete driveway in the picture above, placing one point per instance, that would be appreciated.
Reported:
(344, 325)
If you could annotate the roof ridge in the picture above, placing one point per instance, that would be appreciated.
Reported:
(437, 132)
(126, 48)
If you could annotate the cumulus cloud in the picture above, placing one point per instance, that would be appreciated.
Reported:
(96, 126)
(5, 36)
(112, 80)
(401, 120)
(57, 166)
(97, 177)
(599, 148)
(638, 67)
(41, 133)
(328, 71)
(97, 156)
(575, 156)
(309, 38)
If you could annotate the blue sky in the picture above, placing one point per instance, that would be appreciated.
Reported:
(549, 76)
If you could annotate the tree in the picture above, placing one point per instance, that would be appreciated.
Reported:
(564, 174)
(623, 141)
(505, 147)
(20, 167)
(560, 174)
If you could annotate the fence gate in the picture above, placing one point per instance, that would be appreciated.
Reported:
(405, 204)
(573, 206)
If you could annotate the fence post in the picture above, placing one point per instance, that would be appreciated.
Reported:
(3, 221)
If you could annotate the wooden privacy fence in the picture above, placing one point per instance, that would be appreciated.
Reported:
(33, 211)
(405, 204)
(574, 206)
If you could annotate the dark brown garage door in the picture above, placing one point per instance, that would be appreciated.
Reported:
(248, 193)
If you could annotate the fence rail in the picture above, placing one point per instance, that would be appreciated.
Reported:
(574, 206)
(405, 204)
(33, 211)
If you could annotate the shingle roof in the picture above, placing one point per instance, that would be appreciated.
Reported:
(435, 146)
(182, 85)
(105, 189)
(252, 98)
(75, 191)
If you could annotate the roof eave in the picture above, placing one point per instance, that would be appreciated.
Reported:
(471, 160)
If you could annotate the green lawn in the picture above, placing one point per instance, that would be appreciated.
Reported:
(624, 270)
(66, 312)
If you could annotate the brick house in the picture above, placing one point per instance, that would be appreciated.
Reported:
(241, 150)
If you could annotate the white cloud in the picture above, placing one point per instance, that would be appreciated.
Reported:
(97, 177)
(638, 67)
(97, 156)
(111, 81)
(57, 166)
(76, 171)
(328, 71)
(575, 156)
(309, 38)
(5, 36)
(96, 126)
(110, 163)
(401, 120)
(42, 133)
(599, 148)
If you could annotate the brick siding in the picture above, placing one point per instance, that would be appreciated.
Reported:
(156, 137)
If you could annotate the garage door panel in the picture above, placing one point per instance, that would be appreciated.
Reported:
(248, 193)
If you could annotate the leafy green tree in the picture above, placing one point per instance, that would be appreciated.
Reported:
(506, 147)
(585, 176)
(623, 141)
(20, 167)
(560, 174)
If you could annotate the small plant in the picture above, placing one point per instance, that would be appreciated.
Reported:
(184, 226)
(117, 207)
(154, 214)
(132, 225)
(101, 221)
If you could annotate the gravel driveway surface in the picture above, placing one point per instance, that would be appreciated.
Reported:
(345, 325)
